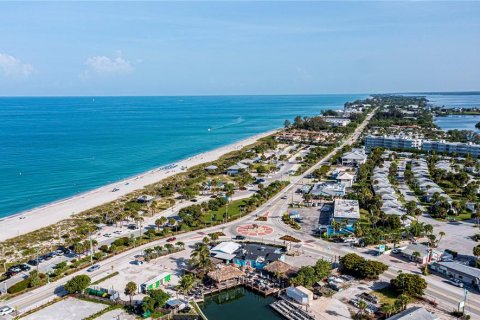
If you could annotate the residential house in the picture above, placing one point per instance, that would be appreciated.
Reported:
(354, 158)
(427, 255)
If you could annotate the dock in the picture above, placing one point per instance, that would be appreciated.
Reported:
(290, 311)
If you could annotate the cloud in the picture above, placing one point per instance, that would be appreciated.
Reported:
(12, 67)
(107, 65)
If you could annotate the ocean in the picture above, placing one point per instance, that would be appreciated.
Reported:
(54, 148)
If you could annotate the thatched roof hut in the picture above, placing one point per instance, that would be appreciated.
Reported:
(226, 273)
(279, 267)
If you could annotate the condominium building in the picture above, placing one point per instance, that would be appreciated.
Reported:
(392, 142)
(442, 146)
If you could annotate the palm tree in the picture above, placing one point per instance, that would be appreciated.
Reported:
(131, 290)
(180, 244)
(388, 309)
(441, 234)
(186, 283)
(169, 247)
(362, 305)
(158, 224)
(200, 257)
(214, 236)
(417, 256)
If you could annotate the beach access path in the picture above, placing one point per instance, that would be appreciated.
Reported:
(52, 213)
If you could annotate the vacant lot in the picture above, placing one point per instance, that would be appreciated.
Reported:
(70, 308)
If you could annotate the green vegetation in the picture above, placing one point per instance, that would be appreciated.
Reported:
(155, 300)
(360, 267)
(77, 284)
(412, 285)
(308, 275)
(130, 290)
(292, 223)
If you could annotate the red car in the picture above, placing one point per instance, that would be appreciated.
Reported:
(171, 239)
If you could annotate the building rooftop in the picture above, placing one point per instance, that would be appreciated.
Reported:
(346, 209)
(414, 313)
(227, 247)
(257, 252)
(474, 272)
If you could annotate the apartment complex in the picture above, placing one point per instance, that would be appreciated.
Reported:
(402, 142)
(392, 142)
(451, 147)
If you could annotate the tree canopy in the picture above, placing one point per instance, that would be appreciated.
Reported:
(77, 284)
(410, 284)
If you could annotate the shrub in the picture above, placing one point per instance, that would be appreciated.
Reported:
(19, 286)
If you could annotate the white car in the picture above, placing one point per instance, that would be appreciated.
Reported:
(107, 235)
(6, 310)
(456, 282)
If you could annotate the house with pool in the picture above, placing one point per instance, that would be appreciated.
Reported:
(345, 214)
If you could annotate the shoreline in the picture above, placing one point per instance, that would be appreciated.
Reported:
(53, 212)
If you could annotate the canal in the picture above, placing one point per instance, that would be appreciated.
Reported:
(238, 304)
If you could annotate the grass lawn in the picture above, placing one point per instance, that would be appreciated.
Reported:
(386, 295)
(233, 212)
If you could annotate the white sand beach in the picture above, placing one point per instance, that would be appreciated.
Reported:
(52, 213)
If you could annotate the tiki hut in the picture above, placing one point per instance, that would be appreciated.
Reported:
(280, 268)
(225, 274)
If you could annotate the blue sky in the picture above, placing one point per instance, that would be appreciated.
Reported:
(207, 48)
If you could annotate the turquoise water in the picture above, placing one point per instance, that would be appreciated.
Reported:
(52, 148)
(239, 304)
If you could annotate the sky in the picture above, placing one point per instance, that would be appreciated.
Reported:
(222, 48)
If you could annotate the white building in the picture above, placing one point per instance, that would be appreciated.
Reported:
(392, 142)
(354, 158)
(346, 210)
(300, 295)
(451, 147)
(337, 122)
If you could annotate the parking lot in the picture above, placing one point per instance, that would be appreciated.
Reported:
(142, 273)
(69, 308)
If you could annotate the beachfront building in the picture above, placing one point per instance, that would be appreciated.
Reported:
(425, 254)
(400, 142)
(468, 275)
(337, 121)
(414, 313)
(354, 158)
(211, 168)
(443, 146)
(225, 250)
(328, 189)
(236, 169)
(145, 198)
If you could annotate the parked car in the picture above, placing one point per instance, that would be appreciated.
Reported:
(6, 310)
(171, 239)
(284, 197)
(456, 282)
(115, 189)
(32, 262)
(107, 235)
(24, 267)
(240, 237)
(138, 262)
(132, 226)
(194, 200)
(95, 267)
(396, 251)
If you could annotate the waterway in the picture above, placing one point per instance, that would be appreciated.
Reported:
(239, 304)
(459, 122)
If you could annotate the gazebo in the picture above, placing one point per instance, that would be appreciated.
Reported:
(280, 268)
(225, 274)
